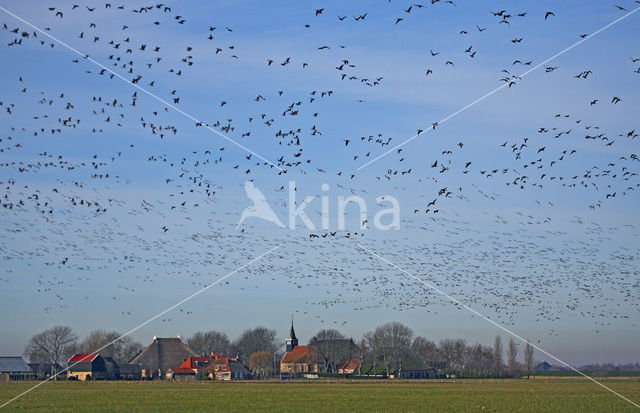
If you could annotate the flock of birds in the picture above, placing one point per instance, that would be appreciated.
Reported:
(71, 220)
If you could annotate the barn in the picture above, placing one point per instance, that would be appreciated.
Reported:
(130, 372)
(162, 355)
(14, 368)
(87, 366)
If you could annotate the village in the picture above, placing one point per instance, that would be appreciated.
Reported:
(328, 354)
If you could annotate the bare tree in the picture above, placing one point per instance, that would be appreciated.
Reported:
(373, 347)
(453, 352)
(512, 352)
(480, 359)
(426, 351)
(54, 346)
(363, 350)
(497, 355)
(122, 350)
(130, 349)
(205, 343)
(392, 341)
(528, 357)
(255, 339)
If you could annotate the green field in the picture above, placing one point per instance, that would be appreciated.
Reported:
(539, 395)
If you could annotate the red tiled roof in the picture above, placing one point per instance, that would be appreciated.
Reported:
(192, 364)
(349, 364)
(83, 357)
(301, 354)
(221, 361)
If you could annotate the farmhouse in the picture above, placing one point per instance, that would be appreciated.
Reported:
(188, 370)
(162, 355)
(299, 359)
(14, 368)
(87, 366)
(349, 366)
(228, 368)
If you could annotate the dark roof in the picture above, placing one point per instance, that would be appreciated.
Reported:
(237, 367)
(129, 369)
(45, 368)
(163, 354)
(111, 364)
(14, 364)
(346, 342)
(543, 366)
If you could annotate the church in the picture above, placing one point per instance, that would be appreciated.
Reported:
(299, 359)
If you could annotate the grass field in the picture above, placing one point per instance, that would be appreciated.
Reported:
(540, 395)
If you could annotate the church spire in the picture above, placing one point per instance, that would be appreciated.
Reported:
(292, 333)
(292, 341)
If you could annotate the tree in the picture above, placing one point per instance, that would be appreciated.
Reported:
(362, 352)
(205, 343)
(453, 352)
(392, 341)
(111, 344)
(129, 350)
(497, 355)
(512, 352)
(528, 357)
(479, 359)
(54, 346)
(261, 362)
(426, 351)
(373, 348)
(255, 339)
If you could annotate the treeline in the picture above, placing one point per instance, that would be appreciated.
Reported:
(388, 348)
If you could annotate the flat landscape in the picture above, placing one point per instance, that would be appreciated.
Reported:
(538, 395)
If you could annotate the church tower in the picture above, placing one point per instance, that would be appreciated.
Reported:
(292, 341)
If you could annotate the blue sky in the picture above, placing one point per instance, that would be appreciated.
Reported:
(537, 259)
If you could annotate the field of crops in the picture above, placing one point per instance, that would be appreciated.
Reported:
(539, 395)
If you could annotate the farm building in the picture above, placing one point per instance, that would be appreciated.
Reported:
(14, 368)
(544, 366)
(188, 370)
(213, 367)
(130, 372)
(113, 369)
(45, 370)
(349, 366)
(162, 355)
(414, 374)
(228, 368)
(87, 366)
